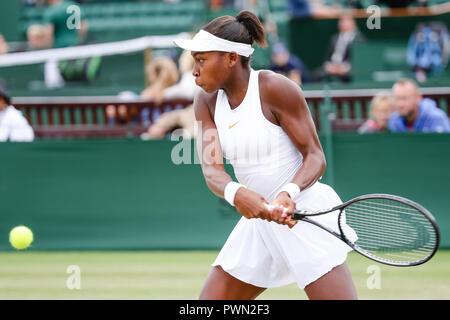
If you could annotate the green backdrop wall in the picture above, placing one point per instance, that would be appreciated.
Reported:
(127, 194)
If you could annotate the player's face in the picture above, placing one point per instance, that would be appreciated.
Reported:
(210, 70)
(406, 98)
(2, 104)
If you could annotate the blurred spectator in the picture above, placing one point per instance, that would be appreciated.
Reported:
(168, 121)
(61, 27)
(415, 113)
(132, 113)
(162, 73)
(116, 116)
(3, 45)
(186, 87)
(288, 64)
(428, 50)
(122, 115)
(338, 64)
(36, 37)
(111, 113)
(13, 125)
(64, 28)
(381, 108)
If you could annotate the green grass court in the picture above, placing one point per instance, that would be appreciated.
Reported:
(172, 275)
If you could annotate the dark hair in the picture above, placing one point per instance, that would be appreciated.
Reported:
(244, 28)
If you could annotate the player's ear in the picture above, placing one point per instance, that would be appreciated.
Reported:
(232, 59)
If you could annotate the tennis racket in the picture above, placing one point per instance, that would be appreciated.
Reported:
(390, 229)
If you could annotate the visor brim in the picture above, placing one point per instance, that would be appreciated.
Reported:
(191, 45)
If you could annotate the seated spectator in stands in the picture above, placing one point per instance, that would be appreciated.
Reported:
(13, 125)
(339, 64)
(61, 28)
(130, 113)
(36, 37)
(186, 87)
(288, 64)
(168, 121)
(381, 108)
(3, 45)
(111, 114)
(162, 73)
(121, 115)
(428, 50)
(415, 113)
(116, 115)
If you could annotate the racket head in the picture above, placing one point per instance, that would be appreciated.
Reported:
(391, 229)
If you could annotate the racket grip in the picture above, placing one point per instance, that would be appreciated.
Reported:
(298, 214)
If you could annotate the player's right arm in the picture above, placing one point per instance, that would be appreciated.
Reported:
(248, 203)
(208, 146)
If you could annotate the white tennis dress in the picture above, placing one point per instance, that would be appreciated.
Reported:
(262, 253)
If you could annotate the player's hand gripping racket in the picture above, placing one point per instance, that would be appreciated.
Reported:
(390, 229)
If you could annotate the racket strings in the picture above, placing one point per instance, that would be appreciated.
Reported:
(391, 230)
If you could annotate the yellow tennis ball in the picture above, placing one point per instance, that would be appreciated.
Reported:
(20, 237)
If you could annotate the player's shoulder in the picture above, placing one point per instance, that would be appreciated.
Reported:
(203, 98)
(273, 82)
(275, 88)
(270, 77)
(204, 101)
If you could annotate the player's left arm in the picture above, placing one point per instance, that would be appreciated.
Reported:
(286, 102)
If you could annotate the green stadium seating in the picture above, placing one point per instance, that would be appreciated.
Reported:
(380, 59)
(112, 21)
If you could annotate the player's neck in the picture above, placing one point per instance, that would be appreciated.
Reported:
(236, 86)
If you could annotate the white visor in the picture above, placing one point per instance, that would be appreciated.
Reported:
(204, 41)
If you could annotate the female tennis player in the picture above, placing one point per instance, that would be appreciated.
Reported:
(260, 122)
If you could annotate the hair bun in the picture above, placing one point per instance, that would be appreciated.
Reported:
(253, 26)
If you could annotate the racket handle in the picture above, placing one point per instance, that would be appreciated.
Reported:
(298, 214)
